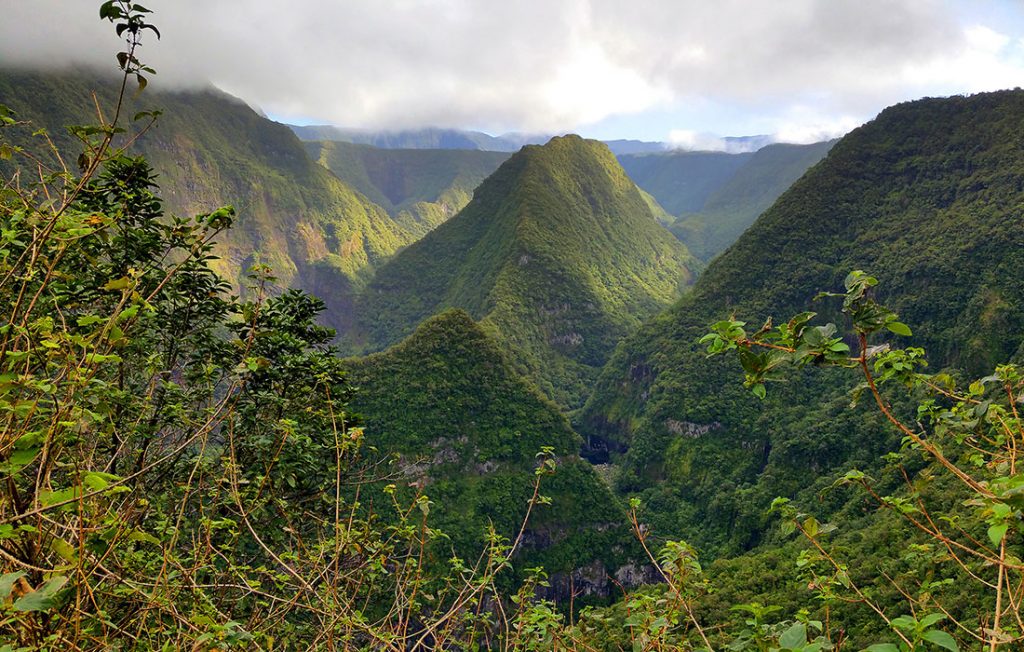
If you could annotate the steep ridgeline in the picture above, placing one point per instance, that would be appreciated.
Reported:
(468, 428)
(211, 149)
(929, 198)
(420, 188)
(733, 206)
(557, 255)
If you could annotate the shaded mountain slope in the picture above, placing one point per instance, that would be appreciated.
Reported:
(211, 149)
(682, 181)
(420, 188)
(733, 206)
(928, 197)
(558, 255)
(467, 426)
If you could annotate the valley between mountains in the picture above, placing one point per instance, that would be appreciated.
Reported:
(488, 310)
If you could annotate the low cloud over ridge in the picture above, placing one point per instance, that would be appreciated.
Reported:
(543, 66)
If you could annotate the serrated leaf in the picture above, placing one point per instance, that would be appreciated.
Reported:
(997, 532)
(42, 598)
(64, 549)
(7, 583)
(931, 619)
(942, 639)
(795, 637)
(117, 283)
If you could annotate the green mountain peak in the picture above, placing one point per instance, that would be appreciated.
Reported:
(467, 428)
(558, 255)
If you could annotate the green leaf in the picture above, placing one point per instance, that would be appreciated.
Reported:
(899, 328)
(97, 481)
(942, 639)
(759, 391)
(811, 526)
(7, 583)
(997, 532)
(906, 623)
(795, 637)
(882, 647)
(88, 320)
(19, 459)
(117, 283)
(64, 549)
(42, 598)
(110, 11)
(931, 619)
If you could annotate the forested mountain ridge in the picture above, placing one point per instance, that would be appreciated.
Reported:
(465, 425)
(714, 196)
(420, 188)
(210, 149)
(557, 254)
(928, 196)
(734, 205)
(682, 181)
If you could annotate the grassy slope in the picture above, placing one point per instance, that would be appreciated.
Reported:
(211, 149)
(928, 198)
(557, 254)
(733, 206)
(420, 188)
(447, 397)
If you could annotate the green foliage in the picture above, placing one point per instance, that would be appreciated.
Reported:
(465, 427)
(210, 149)
(557, 255)
(928, 197)
(966, 437)
(179, 467)
(428, 138)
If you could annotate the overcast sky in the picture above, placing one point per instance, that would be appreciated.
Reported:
(681, 70)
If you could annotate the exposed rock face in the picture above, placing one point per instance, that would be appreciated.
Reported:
(595, 580)
(690, 429)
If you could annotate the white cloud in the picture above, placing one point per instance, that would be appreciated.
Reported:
(538, 65)
(690, 140)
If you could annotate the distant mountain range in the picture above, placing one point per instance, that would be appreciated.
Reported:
(440, 138)
(427, 138)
